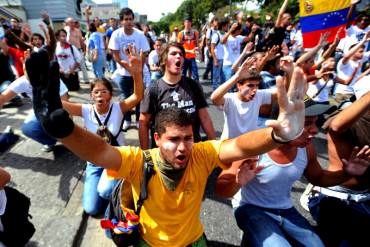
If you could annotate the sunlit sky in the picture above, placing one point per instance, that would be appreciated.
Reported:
(152, 8)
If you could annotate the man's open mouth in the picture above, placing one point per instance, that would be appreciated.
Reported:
(178, 64)
(181, 157)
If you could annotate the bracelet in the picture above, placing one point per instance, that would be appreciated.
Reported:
(277, 139)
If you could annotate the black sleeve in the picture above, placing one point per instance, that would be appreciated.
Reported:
(149, 101)
(199, 98)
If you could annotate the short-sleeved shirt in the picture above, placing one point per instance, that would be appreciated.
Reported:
(66, 58)
(153, 58)
(18, 58)
(241, 117)
(232, 49)
(345, 71)
(186, 94)
(171, 218)
(23, 85)
(120, 41)
(219, 48)
(189, 40)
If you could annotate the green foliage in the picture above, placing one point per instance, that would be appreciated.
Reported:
(199, 10)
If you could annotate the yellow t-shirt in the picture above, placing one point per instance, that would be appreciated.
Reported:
(171, 218)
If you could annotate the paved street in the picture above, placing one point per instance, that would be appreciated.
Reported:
(54, 183)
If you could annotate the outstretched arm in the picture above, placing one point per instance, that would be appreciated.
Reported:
(44, 77)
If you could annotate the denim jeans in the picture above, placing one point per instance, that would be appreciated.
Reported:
(127, 88)
(155, 75)
(218, 76)
(341, 222)
(191, 64)
(209, 64)
(112, 65)
(32, 129)
(275, 227)
(98, 65)
(228, 72)
(97, 189)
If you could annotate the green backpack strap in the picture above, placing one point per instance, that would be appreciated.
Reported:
(147, 174)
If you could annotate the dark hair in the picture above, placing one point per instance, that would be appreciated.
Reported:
(39, 36)
(222, 23)
(252, 75)
(57, 33)
(238, 27)
(103, 81)
(164, 53)
(92, 27)
(171, 116)
(125, 11)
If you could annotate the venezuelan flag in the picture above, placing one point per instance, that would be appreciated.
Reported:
(321, 16)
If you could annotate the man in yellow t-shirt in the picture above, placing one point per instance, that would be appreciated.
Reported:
(170, 214)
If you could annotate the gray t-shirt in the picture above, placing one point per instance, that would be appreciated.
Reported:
(187, 95)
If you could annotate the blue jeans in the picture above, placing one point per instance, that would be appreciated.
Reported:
(32, 129)
(98, 65)
(275, 227)
(218, 74)
(127, 88)
(341, 222)
(190, 64)
(112, 65)
(97, 189)
(228, 72)
(155, 75)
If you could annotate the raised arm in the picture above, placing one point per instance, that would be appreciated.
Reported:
(288, 126)
(351, 114)
(226, 36)
(350, 11)
(313, 52)
(281, 13)
(354, 49)
(217, 96)
(44, 77)
(135, 68)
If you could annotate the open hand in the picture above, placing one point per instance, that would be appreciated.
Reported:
(245, 67)
(290, 122)
(134, 60)
(247, 171)
(358, 162)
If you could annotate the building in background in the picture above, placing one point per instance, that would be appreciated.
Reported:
(122, 3)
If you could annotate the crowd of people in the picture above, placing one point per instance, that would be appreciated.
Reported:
(275, 97)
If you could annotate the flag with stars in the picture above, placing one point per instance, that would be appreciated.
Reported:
(321, 16)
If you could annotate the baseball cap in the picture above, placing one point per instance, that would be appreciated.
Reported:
(313, 108)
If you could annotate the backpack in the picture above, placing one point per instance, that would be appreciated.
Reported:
(121, 218)
(18, 230)
(103, 130)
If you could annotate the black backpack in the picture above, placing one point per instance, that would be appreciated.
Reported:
(18, 230)
(104, 132)
(121, 218)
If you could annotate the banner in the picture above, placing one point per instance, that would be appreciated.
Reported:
(321, 16)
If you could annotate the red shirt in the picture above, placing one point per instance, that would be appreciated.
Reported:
(18, 59)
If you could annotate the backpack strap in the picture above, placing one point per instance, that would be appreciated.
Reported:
(73, 54)
(147, 174)
(106, 119)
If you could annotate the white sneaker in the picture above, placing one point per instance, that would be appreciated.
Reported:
(126, 125)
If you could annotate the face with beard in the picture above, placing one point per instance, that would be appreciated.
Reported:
(247, 90)
(101, 95)
(175, 145)
(175, 60)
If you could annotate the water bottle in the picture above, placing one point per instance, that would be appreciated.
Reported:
(2, 33)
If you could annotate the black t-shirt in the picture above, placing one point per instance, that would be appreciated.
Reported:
(187, 95)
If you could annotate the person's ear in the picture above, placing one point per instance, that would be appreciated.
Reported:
(157, 138)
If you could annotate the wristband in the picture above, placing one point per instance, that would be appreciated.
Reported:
(277, 139)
